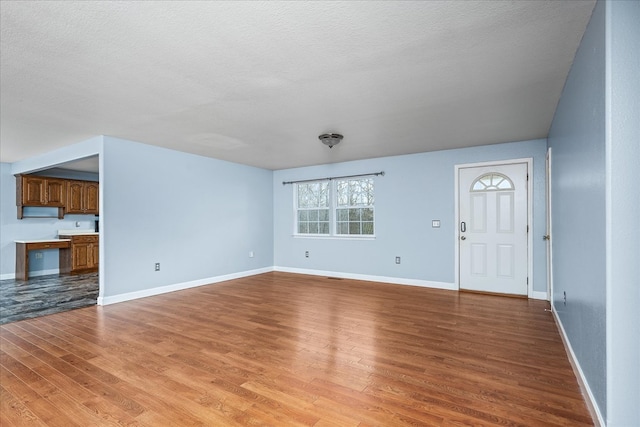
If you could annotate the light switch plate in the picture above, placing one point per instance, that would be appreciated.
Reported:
(435, 223)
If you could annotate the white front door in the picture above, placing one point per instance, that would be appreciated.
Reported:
(492, 233)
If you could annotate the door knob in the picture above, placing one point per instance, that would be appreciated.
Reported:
(463, 238)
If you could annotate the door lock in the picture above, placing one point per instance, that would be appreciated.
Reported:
(546, 237)
(463, 238)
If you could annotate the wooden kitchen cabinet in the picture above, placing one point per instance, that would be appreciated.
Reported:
(83, 256)
(82, 197)
(40, 191)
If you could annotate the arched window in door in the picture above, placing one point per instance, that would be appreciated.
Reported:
(492, 181)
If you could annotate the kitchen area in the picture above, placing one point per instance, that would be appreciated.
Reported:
(55, 236)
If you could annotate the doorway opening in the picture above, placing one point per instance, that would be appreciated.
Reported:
(493, 214)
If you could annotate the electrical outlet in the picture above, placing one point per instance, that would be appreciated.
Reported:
(251, 254)
(564, 297)
(157, 266)
(306, 254)
(397, 260)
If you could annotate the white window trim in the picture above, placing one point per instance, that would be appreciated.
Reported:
(332, 221)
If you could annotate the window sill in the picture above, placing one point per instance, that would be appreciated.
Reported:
(334, 237)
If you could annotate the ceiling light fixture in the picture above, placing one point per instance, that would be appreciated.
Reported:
(330, 139)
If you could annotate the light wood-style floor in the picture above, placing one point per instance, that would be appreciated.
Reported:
(280, 349)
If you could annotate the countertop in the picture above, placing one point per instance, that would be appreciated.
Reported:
(43, 241)
(77, 232)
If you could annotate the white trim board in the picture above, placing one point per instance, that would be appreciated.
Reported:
(582, 380)
(178, 286)
(456, 168)
(369, 278)
(211, 280)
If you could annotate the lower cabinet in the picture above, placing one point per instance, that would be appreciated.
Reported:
(83, 255)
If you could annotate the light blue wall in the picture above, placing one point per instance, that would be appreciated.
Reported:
(32, 228)
(577, 138)
(198, 217)
(416, 189)
(623, 168)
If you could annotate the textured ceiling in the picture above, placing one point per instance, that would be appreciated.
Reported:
(257, 82)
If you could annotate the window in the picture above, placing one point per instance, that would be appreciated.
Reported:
(492, 182)
(339, 207)
(354, 206)
(313, 208)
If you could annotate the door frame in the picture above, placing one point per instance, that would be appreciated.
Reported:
(456, 236)
(548, 230)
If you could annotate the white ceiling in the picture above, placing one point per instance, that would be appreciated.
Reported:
(257, 82)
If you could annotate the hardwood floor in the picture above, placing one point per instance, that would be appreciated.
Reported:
(281, 349)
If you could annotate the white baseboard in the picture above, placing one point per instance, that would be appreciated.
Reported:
(383, 279)
(582, 380)
(178, 286)
(32, 274)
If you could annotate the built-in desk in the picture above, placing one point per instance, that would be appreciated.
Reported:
(24, 246)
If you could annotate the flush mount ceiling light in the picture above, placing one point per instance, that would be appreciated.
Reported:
(330, 139)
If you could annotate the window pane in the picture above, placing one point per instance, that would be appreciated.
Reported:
(303, 227)
(323, 199)
(311, 195)
(342, 193)
(342, 214)
(301, 196)
(313, 215)
(303, 215)
(305, 196)
(324, 228)
(367, 228)
(342, 228)
(313, 228)
(367, 214)
(357, 196)
(324, 215)
(504, 185)
(354, 214)
(354, 228)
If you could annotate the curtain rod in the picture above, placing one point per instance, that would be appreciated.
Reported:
(381, 173)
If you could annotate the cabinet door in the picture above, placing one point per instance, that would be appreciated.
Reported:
(33, 191)
(91, 197)
(81, 256)
(75, 195)
(56, 192)
(95, 250)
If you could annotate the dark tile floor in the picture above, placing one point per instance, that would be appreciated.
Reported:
(44, 295)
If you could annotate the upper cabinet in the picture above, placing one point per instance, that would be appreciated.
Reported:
(82, 197)
(40, 191)
(69, 196)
